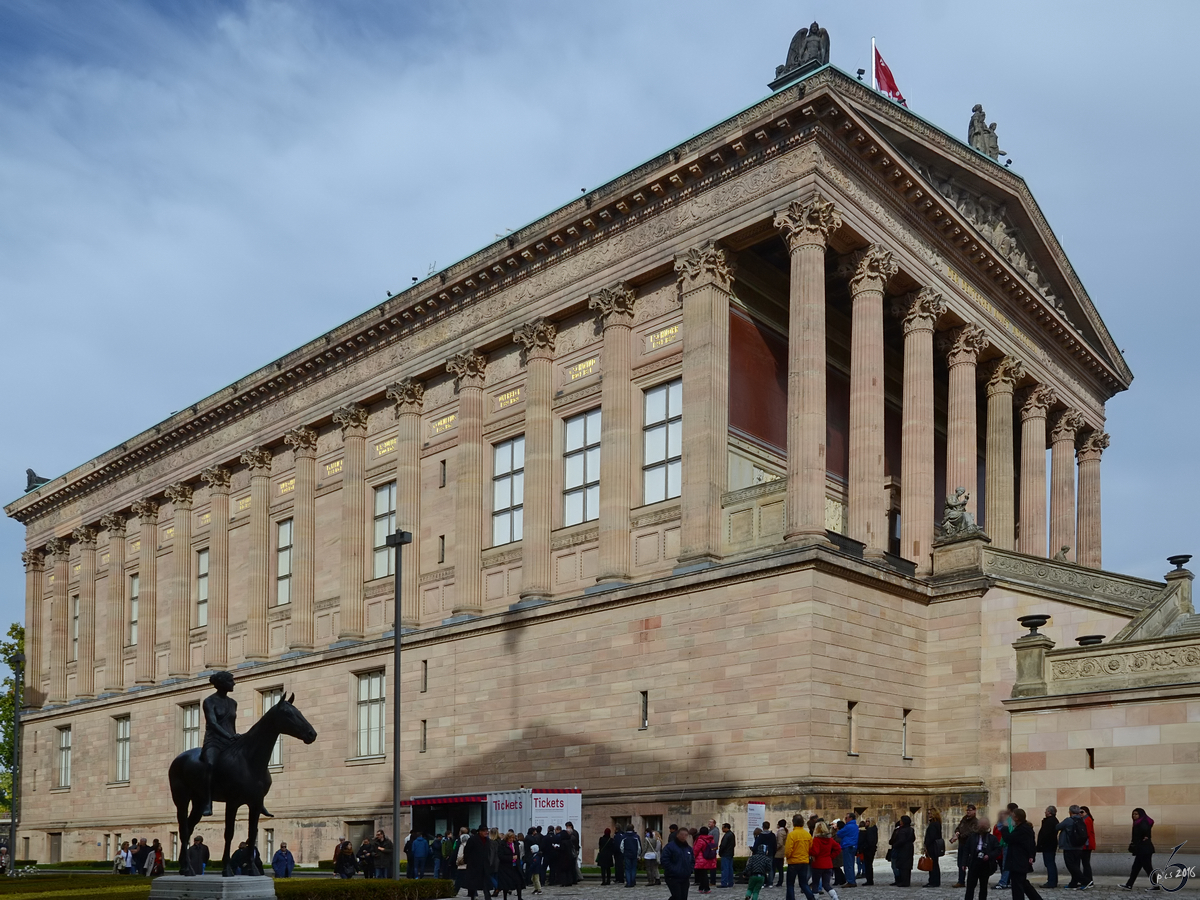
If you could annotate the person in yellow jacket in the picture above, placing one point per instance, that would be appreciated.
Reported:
(795, 851)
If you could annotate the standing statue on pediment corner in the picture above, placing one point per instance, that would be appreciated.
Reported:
(982, 136)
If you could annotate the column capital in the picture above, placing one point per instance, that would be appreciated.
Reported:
(699, 266)
(114, 524)
(1002, 375)
(920, 310)
(85, 537)
(353, 420)
(537, 337)
(217, 478)
(469, 369)
(807, 223)
(409, 396)
(873, 268)
(965, 345)
(1093, 446)
(614, 304)
(33, 560)
(146, 510)
(260, 458)
(1037, 402)
(303, 441)
(59, 548)
(180, 495)
(1066, 425)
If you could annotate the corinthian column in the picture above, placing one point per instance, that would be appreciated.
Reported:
(868, 507)
(615, 307)
(468, 370)
(303, 442)
(1038, 400)
(1062, 481)
(353, 421)
(917, 510)
(35, 562)
(258, 579)
(60, 549)
(179, 663)
(85, 666)
(805, 227)
(537, 338)
(147, 513)
(409, 397)
(962, 422)
(216, 645)
(114, 626)
(1000, 514)
(705, 276)
(1090, 451)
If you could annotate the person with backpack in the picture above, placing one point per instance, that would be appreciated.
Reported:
(982, 852)
(631, 848)
(1072, 837)
(759, 867)
(704, 848)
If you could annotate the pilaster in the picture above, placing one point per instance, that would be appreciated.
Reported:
(1000, 516)
(615, 308)
(469, 370)
(258, 575)
(705, 278)
(537, 338)
(962, 417)
(805, 227)
(179, 662)
(216, 647)
(35, 576)
(114, 606)
(60, 550)
(147, 514)
(352, 419)
(409, 397)
(1034, 407)
(303, 442)
(1088, 534)
(85, 665)
(1062, 481)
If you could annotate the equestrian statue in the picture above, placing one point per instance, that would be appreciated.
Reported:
(231, 768)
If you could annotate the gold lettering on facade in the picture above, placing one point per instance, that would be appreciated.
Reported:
(445, 423)
(75, 569)
(169, 532)
(581, 369)
(243, 504)
(383, 448)
(204, 519)
(104, 559)
(52, 579)
(661, 338)
(333, 468)
(135, 546)
(987, 306)
(286, 487)
(508, 398)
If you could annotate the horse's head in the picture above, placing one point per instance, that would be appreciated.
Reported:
(290, 721)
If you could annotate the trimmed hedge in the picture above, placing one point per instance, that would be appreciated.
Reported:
(106, 886)
(353, 888)
(327, 865)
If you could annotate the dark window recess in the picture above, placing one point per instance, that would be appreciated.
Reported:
(758, 365)
(837, 423)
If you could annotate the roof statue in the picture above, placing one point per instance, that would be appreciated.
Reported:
(809, 50)
(33, 480)
(981, 136)
(956, 521)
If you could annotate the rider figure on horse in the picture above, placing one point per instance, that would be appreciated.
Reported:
(220, 730)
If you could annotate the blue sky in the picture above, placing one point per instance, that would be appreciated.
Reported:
(188, 191)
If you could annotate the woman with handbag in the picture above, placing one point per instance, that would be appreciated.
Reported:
(1142, 848)
(651, 851)
(935, 849)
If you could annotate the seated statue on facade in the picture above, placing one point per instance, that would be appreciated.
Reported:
(956, 521)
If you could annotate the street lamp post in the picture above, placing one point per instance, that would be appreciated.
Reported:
(397, 540)
(17, 663)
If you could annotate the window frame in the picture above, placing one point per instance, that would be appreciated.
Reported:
(509, 517)
(62, 758)
(668, 463)
(587, 490)
(283, 582)
(202, 566)
(186, 728)
(370, 736)
(381, 552)
(268, 697)
(135, 593)
(74, 628)
(122, 747)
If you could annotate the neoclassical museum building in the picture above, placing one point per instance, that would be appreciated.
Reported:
(676, 459)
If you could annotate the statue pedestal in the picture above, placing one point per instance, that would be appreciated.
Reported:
(212, 887)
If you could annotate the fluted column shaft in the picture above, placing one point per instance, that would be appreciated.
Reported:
(805, 227)
(409, 397)
(303, 442)
(1036, 404)
(179, 661)
(60, 615)
(962, 418)
(1088, 535)
(917, 510)
(353, 421)
(85, 665)
(537, 338)
(705, 277)
(258, 574)
(1000, 507)
(115, 623)
(469, 371)
(868, 506)
(35, 577)
(615, 306)
(1062, 482)
(147, 513)
(216, 646)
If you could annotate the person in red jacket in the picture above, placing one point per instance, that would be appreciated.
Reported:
(1085, 854)
(825, 849)
(704, 848)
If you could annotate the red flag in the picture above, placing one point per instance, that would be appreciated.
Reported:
(885, 82)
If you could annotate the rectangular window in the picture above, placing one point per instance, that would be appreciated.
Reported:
(174, 845)
(424, 734)
(1091, 757)
(441, 548)
(269, 699)
(442, 473)
(270, 833)
(851, 728)
(645, 710)
(62, 762)
(122, 755)
(74, 627)
(371, 719)
(201, 588)
(508, 491)
(904, 735)
(662, 442)
(424, 676)
(581, 461)
(283, 562)
(385, 524)
(133, 609)
(191, 726)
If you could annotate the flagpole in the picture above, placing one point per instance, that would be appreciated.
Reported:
(874, 80)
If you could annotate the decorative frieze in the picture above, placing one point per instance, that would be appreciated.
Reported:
(1067, 578)
(1138, 662)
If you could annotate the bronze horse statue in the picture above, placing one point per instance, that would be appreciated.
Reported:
(240, 778)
